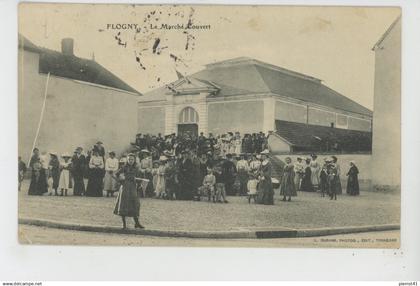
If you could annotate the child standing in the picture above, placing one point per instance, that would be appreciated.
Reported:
(54, 173)
(209, 183)
(252, 189)
(64, 182)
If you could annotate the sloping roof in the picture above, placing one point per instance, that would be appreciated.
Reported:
(314, 137)
(242, 76)
(70, 66)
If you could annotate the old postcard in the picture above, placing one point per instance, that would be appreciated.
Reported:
(194, 125)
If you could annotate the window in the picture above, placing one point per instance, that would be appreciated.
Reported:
(188, 115)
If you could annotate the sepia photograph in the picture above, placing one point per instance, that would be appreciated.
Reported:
(209, 125)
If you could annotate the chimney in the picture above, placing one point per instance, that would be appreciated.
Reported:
(67, 46)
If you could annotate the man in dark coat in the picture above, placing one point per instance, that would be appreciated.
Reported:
(229, 174)
(78, 169)
(186, 182)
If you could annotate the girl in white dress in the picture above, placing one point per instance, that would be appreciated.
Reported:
(64, 182)
(110, 181)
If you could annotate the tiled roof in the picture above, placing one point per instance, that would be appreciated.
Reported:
(245, 75)
(305, 137)
(70, 66)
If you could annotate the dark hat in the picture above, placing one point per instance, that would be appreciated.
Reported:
(99, 142)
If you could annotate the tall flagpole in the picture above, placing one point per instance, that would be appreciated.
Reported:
(40, 118)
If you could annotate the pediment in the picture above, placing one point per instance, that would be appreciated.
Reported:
(189, 85)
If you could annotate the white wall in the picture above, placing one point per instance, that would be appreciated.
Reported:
(76, 113)
(317, 115)
(387, 111)
(278, 145)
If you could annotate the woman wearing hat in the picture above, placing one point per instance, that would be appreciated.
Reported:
(96, 168)
(353, 180)
(110, 181)
(128, 201)
(243, 168)
(306, 184)
(146, 167)
(287, 186)
(339, 189)
(265, 187)
(54, 172)
(160, 188)
(315, 170)
(38, 184)
(64, 183)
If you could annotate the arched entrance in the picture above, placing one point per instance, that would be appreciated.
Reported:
(188, 122)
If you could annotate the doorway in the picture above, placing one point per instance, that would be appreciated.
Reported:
(189, 128)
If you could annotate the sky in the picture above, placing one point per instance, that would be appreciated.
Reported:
(330, 43)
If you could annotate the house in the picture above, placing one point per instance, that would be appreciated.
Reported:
(246, 95)
(82, 102)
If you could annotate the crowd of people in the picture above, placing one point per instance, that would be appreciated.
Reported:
(308, 175)
(183, 168)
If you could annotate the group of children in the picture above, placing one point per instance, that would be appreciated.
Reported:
(215, 191)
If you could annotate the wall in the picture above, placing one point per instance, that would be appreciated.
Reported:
(76, 113)
(387, 110)
(151, 120)
(290, 112)
(301, 113)
(359, 124)
(363, 163)
(242, 116)
(278, 145)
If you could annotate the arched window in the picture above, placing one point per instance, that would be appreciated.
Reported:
(188, 115)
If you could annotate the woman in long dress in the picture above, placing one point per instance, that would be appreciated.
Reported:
(38, 185)
(110, 181)
(160, 188)
(242, 167)
(315, 170)
(96, 167)
(238, 145)
(306, 184)
(128, 200)
(287, 185)
(353, 180)
(265, 187)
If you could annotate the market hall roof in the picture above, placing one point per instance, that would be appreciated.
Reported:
(241, 76)
(73, 67)
(307, 137)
